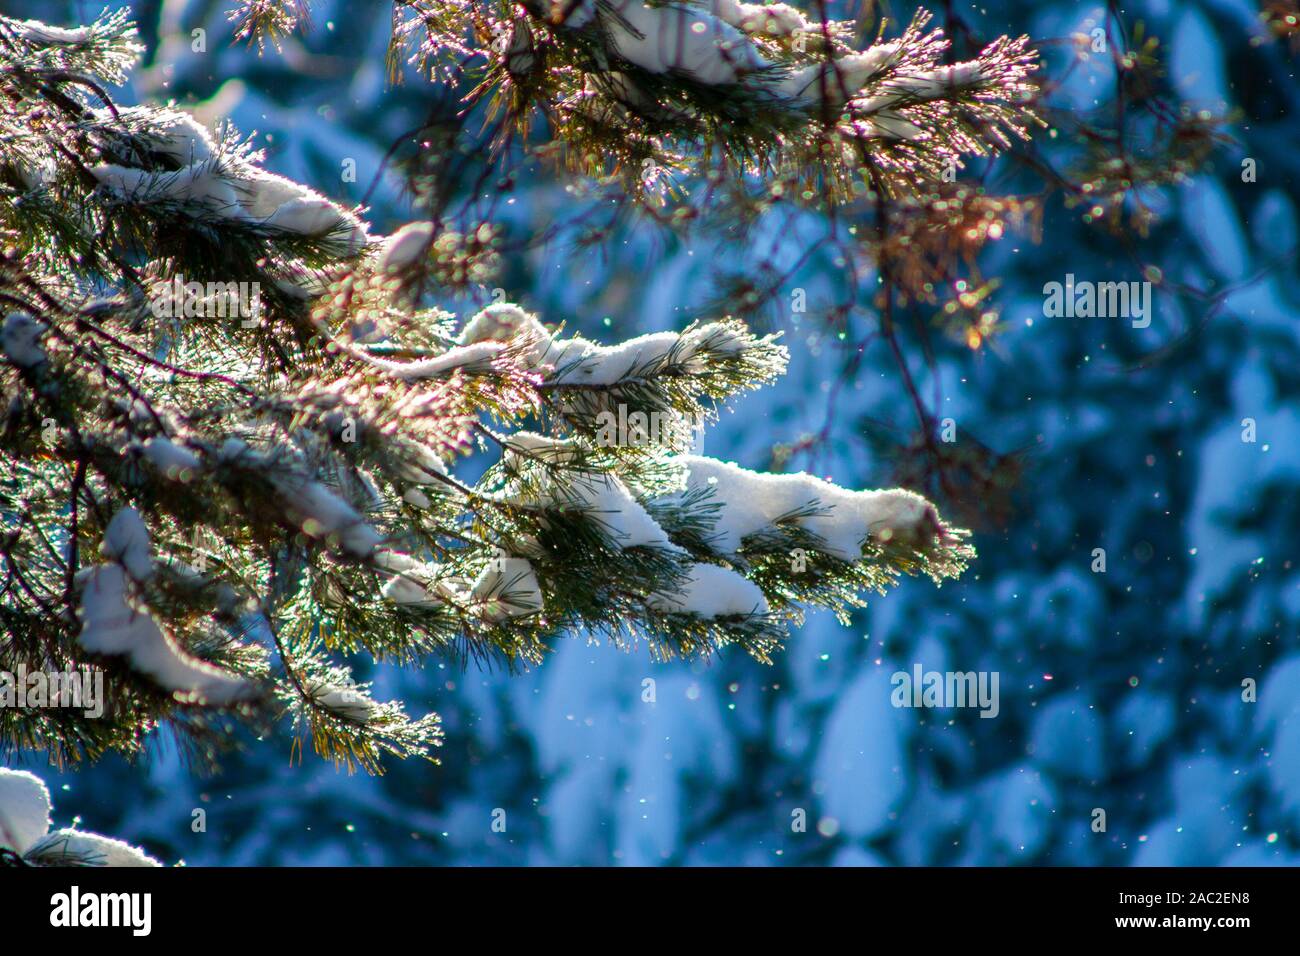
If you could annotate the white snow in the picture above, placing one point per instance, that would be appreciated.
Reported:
(306, 216)
(406, 246)
(416, 498)
(171, 459)
(21, 340)
(229, 190)
(890, 124)
(391, 560)
(574, 361)
(720, 338)
(36, 32)
(604, 498)
(172, 132)
(292, 207)
(183, 138)
(610, 504)
(25, 824)
(478, 356)
(323, 514)
(413, 582)
(841, 78)
(402, 589)
(24, 809)
(711, 45)
(126, 541)
(507, 587)
(201, 185)
(80, 848)
(526, 444)
(752, 501)
(774, 19)
(712, 591)
(926, 85)
(266, 192)
(420, 464)
(501, 322)
(315, 216)
(578, 361)
(110, 625)
(684, 40)
(348, 701)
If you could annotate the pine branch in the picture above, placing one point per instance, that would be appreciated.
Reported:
(232, 422)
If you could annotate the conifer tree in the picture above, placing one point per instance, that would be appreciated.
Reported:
(233, 414)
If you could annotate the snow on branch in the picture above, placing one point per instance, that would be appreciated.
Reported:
(773, 19)
(323, 514)
(710, 44)
(711, 591)
(214, 183)
(25, 830)
(662, 372)
(770, 89)
(114, 623)
(348, 725)
(348, 701)
(755, 522)
(752, 503)
(658, 372)
(655, 514)
(21, 340)
(108, 47)
(605, 500)
(505, 587)
(311, 458)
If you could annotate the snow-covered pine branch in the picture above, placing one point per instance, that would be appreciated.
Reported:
(754, 504)
(25, 809)
(596, 389)
(115, 623)
(348, 726)
(710, 43)
(220, 185)
(798, 539)
(127, 189)
(575, 511)
(217, 512)
(106, 48)
(769, 88)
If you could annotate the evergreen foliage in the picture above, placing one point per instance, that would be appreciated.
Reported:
(232, 416)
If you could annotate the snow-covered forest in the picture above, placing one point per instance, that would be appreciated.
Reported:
(1129, 483)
